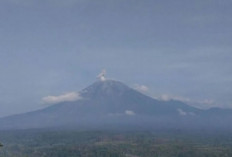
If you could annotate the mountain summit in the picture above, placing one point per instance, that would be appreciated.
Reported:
(109, 103)
(105, 88)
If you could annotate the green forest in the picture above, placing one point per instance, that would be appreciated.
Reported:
(64, 143)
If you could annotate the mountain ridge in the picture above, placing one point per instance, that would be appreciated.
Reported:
(110, 102)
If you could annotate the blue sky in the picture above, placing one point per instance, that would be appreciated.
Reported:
(177, 49)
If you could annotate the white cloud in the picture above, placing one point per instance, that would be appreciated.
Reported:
(181, 112)
(129, 113)
(166, 97)
(72, 96)
(184, 113)
(126, 112)
(207, 101)
(203, 104)
(141, 88)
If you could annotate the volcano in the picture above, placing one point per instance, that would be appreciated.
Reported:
(112, 104)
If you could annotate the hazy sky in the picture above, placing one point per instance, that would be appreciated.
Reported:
(174, 48)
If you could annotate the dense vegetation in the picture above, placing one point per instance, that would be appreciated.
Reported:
(41, 143)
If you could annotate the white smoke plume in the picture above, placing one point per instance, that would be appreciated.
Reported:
(101, 76)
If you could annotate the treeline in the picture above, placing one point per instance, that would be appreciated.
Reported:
(41, 143)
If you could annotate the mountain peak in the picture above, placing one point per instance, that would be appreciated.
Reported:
(104, 88)
(112, 102)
